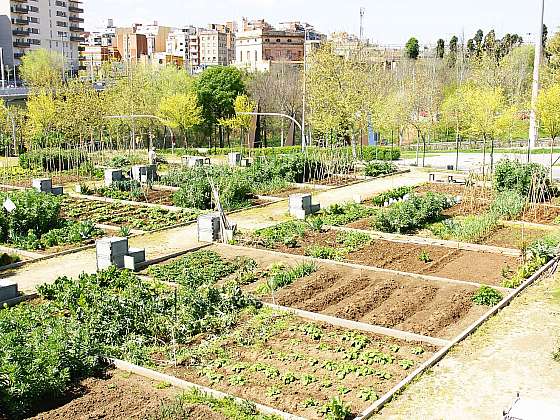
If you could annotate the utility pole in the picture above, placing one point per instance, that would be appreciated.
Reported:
(2, 66)
(362, 14)
(534, 128)
(304, 89)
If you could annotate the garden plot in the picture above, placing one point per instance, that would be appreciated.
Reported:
(360, 248)
(114, 395)
(126, 216)
(21, 178)
(431, 308)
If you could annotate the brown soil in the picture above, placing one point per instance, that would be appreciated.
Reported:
(513, 237)
(119, 396)
(392, 301)
(542, 214)
(445, 262)
(455, 190)
(164, 198)
(290, 350)
(26, 181)
(288, 192)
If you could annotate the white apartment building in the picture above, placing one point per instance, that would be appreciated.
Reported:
(214, 49)
(178, 42)
(54, 25)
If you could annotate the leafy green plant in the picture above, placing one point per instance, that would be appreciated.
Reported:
(280, 276)
(340, 215)
(307, 379)
(486, 296)
(353, 241)
(342, 390)
(310, 402)
(394, 194)
(335, 409)
(124, 231)
(289, 378)
(279, 233)
(418, 351)
(406, 364)
(375, 169)
(237, 380)
(324, 252)
(512, 175)
(273, 391)
(425, 257)
(368, 394)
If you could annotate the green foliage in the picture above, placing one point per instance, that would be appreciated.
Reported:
(196, 269)
(368, 394)
(42, 352)
(486, 296)
(524, 272)
(353, 241)
(508, 205)
(119, 161)
(7, 259)
(324, 252)
(394, 194)
(281, 233)
(425, 257)
(335, 409)
(524, 178)
(52, 159)
(280, 276)
(376, 169)
(412, 49)
(412, 214)
(340, 215)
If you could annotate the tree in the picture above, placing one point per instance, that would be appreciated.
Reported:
(42, 118)
(548, 109)
(181, 111)
(489, 45)
(440, 49)
(42, 69)
(217, 88)
(412, 49)
(553, 51)
(240, 122)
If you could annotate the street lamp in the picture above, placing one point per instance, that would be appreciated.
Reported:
(534, 128)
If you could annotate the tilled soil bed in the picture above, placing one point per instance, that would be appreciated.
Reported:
(433, 308)
(513, 237)
(296, 366)
(119, 396)
(478, 267)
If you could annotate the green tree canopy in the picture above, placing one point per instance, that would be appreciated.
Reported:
(412, 49)
(42, 69)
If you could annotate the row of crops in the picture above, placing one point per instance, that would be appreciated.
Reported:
(197, 331)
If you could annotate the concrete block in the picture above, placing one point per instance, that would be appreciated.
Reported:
(138, 254)
(43, 184)
(8, 290)
(110, 247)
(112, 175)
(144, 173)
(300, 201)
(209, 222)
(130, 263)
(298, 214)
(315, 208)
(245, 163)
(104, 262)
(58, 190)
(193, 161)
(234, 159)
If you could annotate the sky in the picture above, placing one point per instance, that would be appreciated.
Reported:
(387, 22)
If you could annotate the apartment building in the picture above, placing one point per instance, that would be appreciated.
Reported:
(259, 45)
(156, 36)
(54, 25)
(178, 43)
(131, 45)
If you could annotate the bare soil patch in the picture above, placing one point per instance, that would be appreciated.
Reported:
(444, 262)
(118, 396)
(513, 237)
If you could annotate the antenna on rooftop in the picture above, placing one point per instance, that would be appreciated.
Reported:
(362, 14)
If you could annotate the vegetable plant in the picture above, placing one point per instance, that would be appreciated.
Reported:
(487, 296)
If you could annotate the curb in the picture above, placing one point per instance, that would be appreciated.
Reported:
(378, 405)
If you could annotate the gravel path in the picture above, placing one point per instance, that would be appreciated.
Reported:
(511, 353)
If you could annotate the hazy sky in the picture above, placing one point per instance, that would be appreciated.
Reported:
(386, 21)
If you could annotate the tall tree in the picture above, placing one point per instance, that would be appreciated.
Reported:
(42, 69)
(412, 49)
(453, 50)
(181, 111)
(440, 49)
(548, 108)
(217, 88)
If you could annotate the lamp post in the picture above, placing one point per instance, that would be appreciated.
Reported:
(534, 128)
(303, 141)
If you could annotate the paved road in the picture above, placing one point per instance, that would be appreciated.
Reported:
(473, 161)
(175, 240)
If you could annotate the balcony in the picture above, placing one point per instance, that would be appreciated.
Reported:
(81, 48)
(20, 43)
(76, 19)
(18, 55)
(75, 9)
(77, 39)
(21, 22)
(19, 1)
(20, 10)
(76, 29)
(21, 32)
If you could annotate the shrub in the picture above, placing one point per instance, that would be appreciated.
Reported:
(324, 252)
(486, 296)
(7, 259)
(395, 194)
(340, 215)
(521, 177)
(412, 214)
(380, 168)
(508, 205)
(281, 232)
(35, 212)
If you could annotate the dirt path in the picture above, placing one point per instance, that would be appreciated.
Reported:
(480, 378)
(174, 240)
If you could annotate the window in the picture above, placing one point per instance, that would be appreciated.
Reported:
(289, 40)
(277, 40)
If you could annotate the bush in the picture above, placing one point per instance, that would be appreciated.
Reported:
(412, 214)
(343, 214)
(508, 205)
(394, 194)
(35, 212)
(52, 159)
(370, 153)
(380, 168)
(324, 252)
(522, 178)
(486, 296)
(281, 233)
